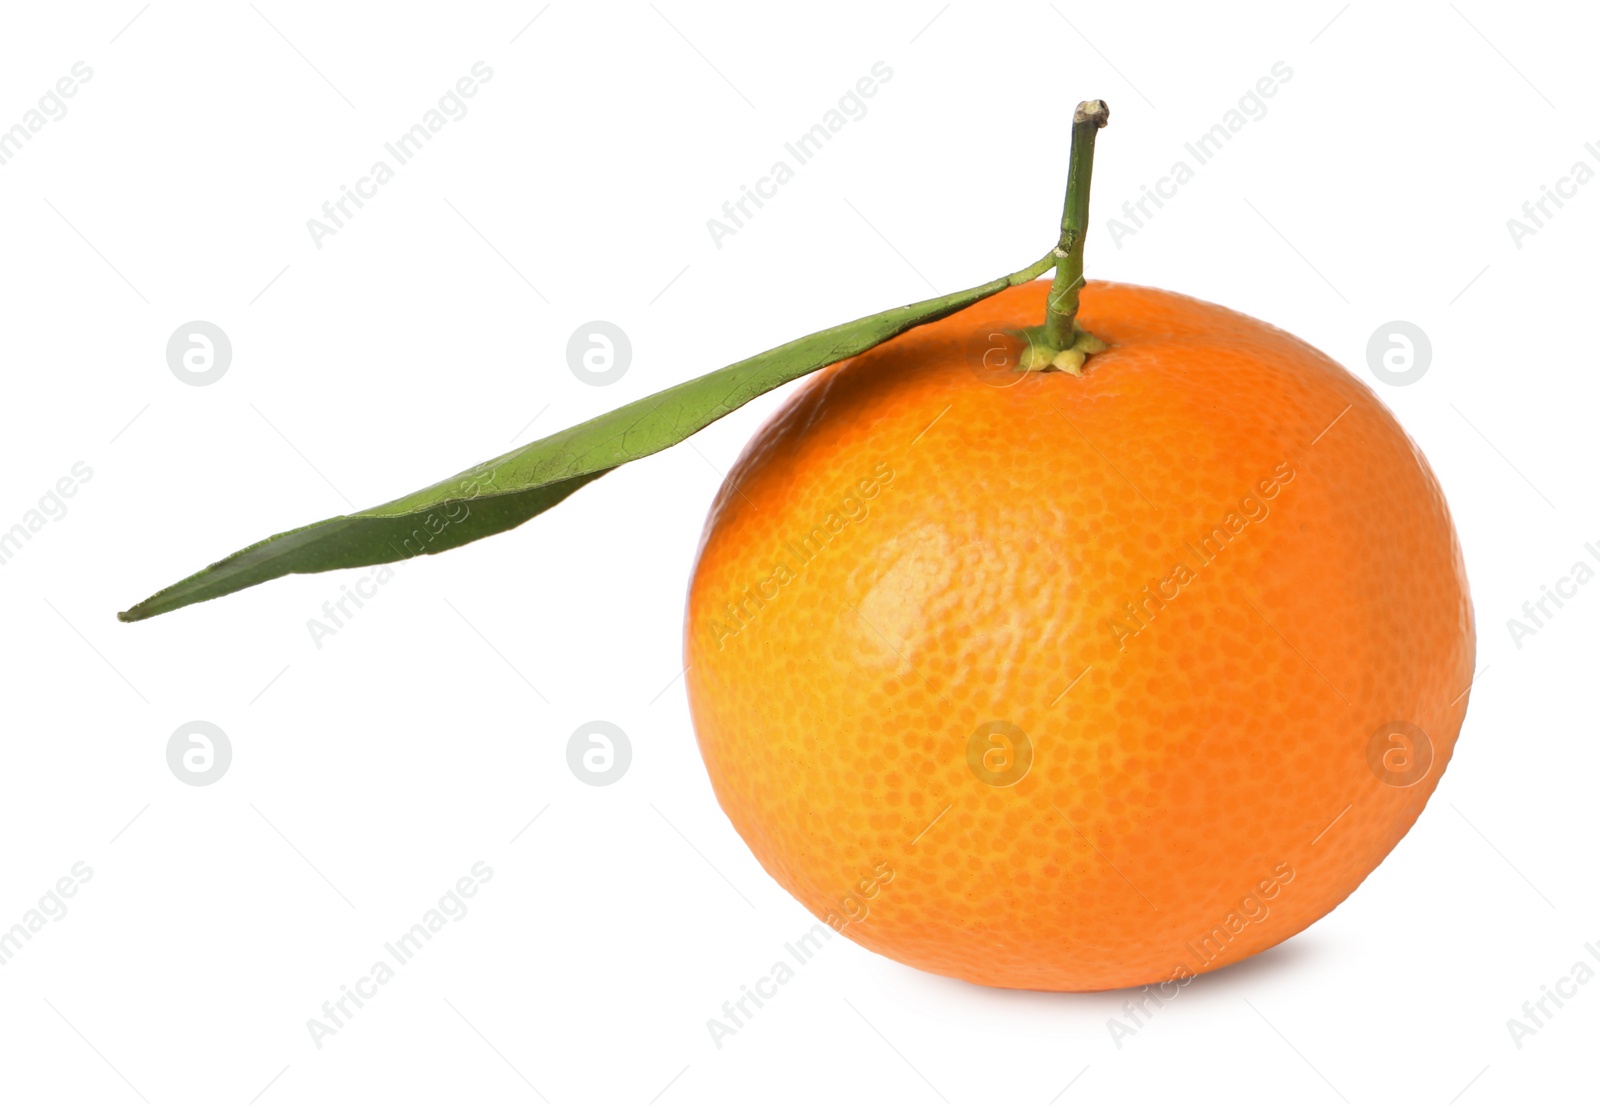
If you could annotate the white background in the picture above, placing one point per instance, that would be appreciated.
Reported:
(371, 771)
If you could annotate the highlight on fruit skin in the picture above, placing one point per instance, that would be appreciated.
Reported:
(1058, 635)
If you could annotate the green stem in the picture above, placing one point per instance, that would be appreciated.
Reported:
(1061, 310)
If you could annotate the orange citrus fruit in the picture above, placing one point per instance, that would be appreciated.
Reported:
(1073, 682)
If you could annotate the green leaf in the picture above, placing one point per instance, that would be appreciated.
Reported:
(503, 492)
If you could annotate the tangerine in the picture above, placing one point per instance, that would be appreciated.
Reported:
(1077, 681)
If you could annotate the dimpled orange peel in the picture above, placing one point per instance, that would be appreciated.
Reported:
(1060, 636)
(1078, 679)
